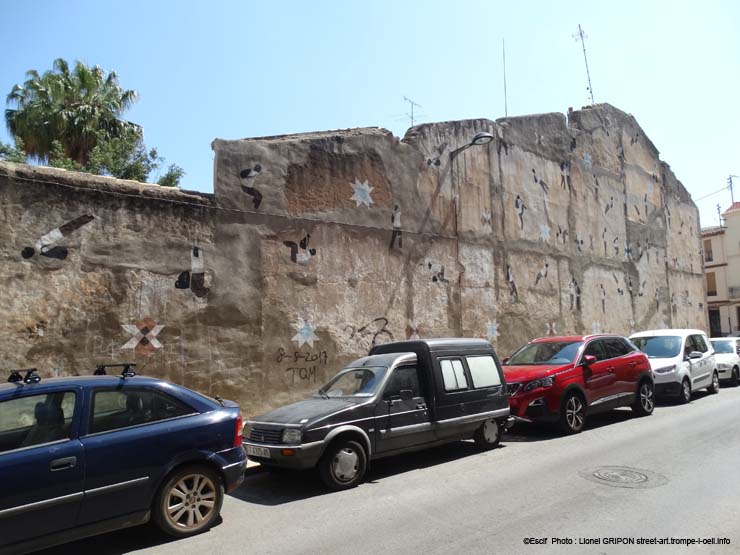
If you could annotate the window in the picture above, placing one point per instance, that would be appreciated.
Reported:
(708, 257)
(36, 420)
(700, 343)
(711, 284)
(615, 347)
(117, 409)
(596, 348)
(406, 377)
(453, 374)
(483, 371)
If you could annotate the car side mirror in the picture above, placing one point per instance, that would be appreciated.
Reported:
(588, 360)
(506, 359)
(695, 355)
(406, 394)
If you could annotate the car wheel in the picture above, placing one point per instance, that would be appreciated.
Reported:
(572, 414)
(189, 502)
(714, 388)
(343, 465)
(488, 435)
(645, 402)
(685, 395)
(735, 379)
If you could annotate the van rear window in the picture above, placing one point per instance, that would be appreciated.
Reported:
(483, 371)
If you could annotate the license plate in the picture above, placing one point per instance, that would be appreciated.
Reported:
(258, 451)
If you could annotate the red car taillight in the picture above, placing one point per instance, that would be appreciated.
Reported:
(238, 432)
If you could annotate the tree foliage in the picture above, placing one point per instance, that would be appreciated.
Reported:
(71, 118)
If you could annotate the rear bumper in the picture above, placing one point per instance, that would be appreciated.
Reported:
(233, 463)
(306, 455)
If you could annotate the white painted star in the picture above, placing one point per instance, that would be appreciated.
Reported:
(596, 327)
(545, 232)
(587, 162)
(492, 330)
(362, 193)
(305, 333)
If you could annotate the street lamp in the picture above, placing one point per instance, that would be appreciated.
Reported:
(479, 139)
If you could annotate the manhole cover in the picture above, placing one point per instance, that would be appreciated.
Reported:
(624, 477)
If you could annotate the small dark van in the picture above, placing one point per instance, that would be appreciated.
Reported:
(404, 396)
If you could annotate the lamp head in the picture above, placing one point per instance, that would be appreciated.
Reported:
(482, 138)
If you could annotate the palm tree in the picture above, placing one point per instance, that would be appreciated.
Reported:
(77, 108)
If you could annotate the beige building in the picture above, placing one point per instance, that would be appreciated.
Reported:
(721, 246)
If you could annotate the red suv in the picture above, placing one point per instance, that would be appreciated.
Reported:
(563, 379)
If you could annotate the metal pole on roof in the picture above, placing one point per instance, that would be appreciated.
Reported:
(729, 186)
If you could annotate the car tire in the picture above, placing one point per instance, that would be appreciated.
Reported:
(343, 465)
(714, 388)
(189, 501)
(735, 379)
(572, 413)
(684, 396)
(488, 434)
(645, 401)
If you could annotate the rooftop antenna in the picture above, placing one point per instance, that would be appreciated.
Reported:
(503, 48)
(580, 35)
(412, 104)
(729, 186)
(719, 215)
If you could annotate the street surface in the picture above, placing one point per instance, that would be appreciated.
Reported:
(455, 499)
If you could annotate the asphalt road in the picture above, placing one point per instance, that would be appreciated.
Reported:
(681, 466)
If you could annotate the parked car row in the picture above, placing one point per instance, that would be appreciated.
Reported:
(108, 452)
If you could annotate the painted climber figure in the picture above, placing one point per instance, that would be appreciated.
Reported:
(45, 244)
(542, 273)
(520, 208)
(195, 279)
(512, 284)
(247, 178)
(602, 293)
(565, 175)
(396, 221)
(299, 252)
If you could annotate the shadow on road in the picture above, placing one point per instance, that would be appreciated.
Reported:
(525, 432)
(118, 542)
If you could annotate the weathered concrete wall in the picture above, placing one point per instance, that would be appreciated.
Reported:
(315, 246)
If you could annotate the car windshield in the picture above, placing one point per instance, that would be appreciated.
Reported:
(659, 346)
(723, 346)
(354, 382)
(550, 352)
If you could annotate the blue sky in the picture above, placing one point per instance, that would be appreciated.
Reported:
(236, 69)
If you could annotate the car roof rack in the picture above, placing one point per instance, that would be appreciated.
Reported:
(127, 372)
(30, 377)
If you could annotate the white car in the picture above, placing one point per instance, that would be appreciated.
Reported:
(726, 355)
(682, 361)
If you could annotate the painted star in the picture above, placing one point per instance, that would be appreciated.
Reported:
(491, 330)
(596, 327)
(362, 193)
(144, 336)
(305, 333)
(545, 232)
(587, 161)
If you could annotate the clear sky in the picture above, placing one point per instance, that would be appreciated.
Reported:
(233, 69)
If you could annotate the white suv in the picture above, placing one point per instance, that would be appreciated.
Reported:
(726, 351)
(682, 361)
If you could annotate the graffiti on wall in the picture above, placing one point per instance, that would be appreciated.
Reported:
(46, 245)
(143, 336)
(247, 177)
(300, 253)
(303, 364)
(397, 233)
(361, 193)
(376, 330)
(195, 278)
(305, 333)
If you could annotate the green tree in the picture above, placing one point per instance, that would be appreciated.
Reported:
(78, 108)
(172, 176)
(12, 153)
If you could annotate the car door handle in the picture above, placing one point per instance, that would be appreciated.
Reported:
(610, 369)
(421, 406)
(63, 464)
(633, 363)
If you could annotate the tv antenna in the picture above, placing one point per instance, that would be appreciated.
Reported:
(412, 104)
(580, 35)
(729, 186)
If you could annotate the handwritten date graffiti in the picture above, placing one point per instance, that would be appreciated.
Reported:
(306, 372)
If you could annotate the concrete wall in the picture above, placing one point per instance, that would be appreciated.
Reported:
(316, 246)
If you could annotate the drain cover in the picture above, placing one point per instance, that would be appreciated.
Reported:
(623, 477)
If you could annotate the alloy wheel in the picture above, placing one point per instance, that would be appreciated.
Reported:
(715, 382)
(646, 398)
(191, 501)
(345, 465)
(686, 390)
(574, 413)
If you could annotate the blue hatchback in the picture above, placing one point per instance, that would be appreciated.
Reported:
(86, 455)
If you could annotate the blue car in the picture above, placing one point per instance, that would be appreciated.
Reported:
(85, 455)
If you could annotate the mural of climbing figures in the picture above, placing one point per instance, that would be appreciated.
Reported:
(542, 274)
(195, 278)
(512, 284)
(520, 208)
(47, 246)
(540, 182)
(248, 176)
(565, 182)
(300, 253)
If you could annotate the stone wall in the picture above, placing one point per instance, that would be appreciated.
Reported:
(316, 246)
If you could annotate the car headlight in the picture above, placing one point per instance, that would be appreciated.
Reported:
(665, 369)
(723, 366)
(542, 382)
(247, 429)
(291, 435)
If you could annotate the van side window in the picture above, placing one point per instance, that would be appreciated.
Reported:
(483, 371)
(403, 378)
(700, 343)
(692, 345)
(453, 374)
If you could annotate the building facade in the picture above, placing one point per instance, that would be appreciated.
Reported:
(721, 247)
